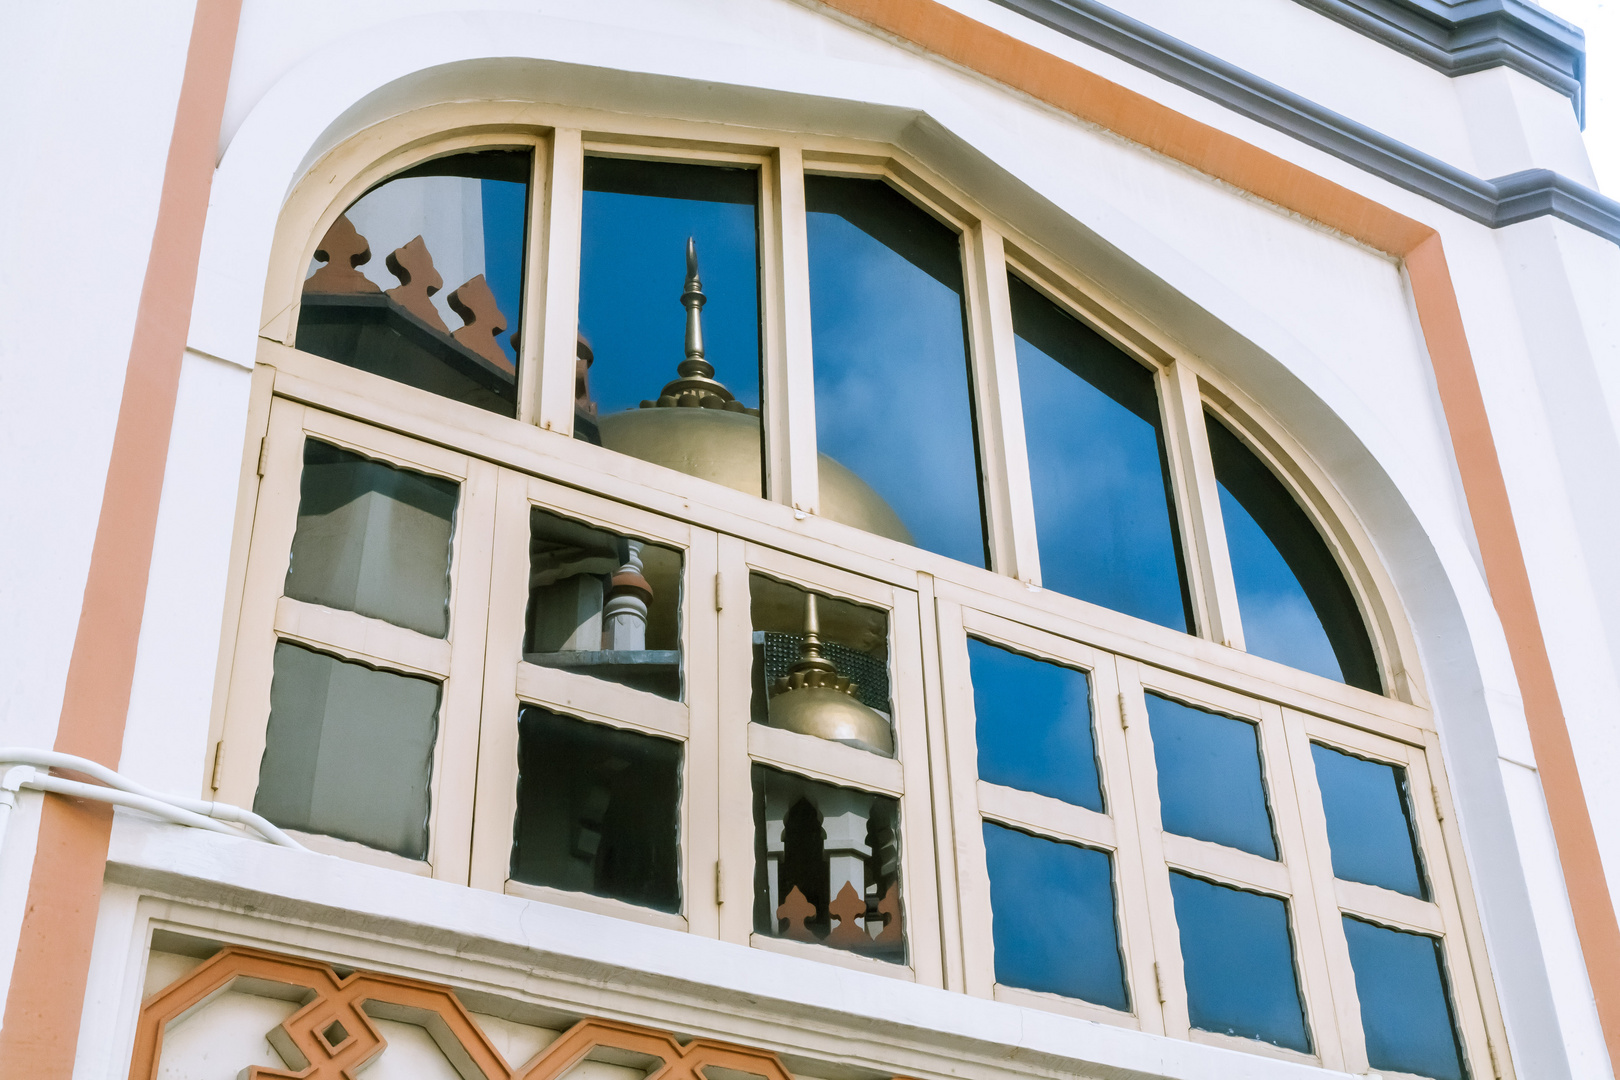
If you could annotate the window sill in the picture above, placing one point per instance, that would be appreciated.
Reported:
(600, 905)
(823, 954)
(360, 853)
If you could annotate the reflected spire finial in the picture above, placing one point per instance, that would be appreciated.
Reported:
(693, 298)
(695, 387)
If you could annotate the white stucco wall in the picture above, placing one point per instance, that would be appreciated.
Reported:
(1318, 329)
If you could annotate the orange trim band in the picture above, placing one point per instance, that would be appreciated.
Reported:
(332, 1037)
(1087, 96)
(46, 998)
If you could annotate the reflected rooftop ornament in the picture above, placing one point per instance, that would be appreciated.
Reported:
(698, 427)
(813, 699)
(696, 386)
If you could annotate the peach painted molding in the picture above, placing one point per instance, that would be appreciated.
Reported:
(978, 48)
(332, 1036)
(46, 998)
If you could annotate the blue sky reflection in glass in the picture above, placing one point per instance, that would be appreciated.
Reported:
(1237, 958)
(1296, 606)
(1104, 510)
(1210, 785)
(1033, 720)
(637, 217)
(1405, 1007)
(1369, 821)
(890, 355)
(1053, 921)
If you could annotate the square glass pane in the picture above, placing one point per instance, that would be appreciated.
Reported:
(1033, 720)
(894, 410)
(1053, 918)
(1210, 785)
(827, 865)
(1237, 954)
(646, 310)
(1297, 608)
(1105, 512)
(1405, 1001)
(832, 682)
(375, 294)
(1369, 821)
(598, 810)
(374, 539)
(603, 605)
(348, 751)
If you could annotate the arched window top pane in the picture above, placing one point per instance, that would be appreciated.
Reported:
(636, 298)
(1295, 604)
(638, 216)
(1105, 515)
(421, 280)
(893, 407)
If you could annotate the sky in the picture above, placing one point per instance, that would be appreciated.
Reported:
(1601, 21)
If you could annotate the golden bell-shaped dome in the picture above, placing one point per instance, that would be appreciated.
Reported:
(696, 426)
(814, 699)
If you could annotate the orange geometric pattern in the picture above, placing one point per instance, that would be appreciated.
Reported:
(331, 1037)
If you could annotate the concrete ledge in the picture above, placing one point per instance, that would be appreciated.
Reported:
(832, 1015)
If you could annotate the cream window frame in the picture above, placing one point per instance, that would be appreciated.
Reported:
(454, 661)
(1286, 878)
(561, 137)
(1113, 831)
(1286, 725)
(940, 598)
(510, 683)
(1442, 916)
(743, 744)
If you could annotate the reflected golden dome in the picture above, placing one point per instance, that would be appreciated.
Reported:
(699, 428)
(724, 447)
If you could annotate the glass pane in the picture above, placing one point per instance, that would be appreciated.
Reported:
(1369, 821)
(1033, 721)
(638, 219)
(441, 307)
(888, 319)
(829, 679)
(1053, 917)
(603, 605)
(1405, 1002)
(1237, 954)
(598, 810)
(1105, 515)
(1296, 606)
(1210, 785)
(348, 751)
(825, 857)
(374, 539)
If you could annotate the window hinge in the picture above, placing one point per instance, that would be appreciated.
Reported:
(719, 591)
(262, 442)
(1158, 983)
(213, 776)
(1496, 1066)
(1439, 811)
(719, 882)
(1124, 712)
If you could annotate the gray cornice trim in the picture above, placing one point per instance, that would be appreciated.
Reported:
(1537, 193)
(1462, 36)
(1509, 199)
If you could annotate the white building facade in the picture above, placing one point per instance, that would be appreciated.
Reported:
(1093, 559)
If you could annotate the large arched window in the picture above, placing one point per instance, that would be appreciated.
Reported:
(761, 541)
